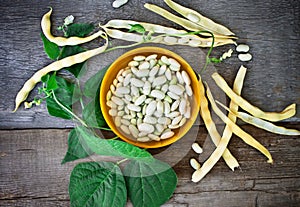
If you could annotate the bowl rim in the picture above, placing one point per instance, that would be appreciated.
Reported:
(150, 50)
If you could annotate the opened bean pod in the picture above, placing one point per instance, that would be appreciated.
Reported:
(163, 39)
(199, 19)
(172, 36)
(260, 123)
(189, 25)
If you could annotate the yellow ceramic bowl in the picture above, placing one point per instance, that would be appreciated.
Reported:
(121, 63)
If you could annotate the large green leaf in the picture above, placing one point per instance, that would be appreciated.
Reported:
(79, 29)
(55, 110)
(97, 184)
(92, 85)
(77, 147)
(149, 182)
(51, 49)
(64, 92)
(93, 116)
(112, 147)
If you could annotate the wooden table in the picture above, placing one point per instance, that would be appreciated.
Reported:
(32, 143)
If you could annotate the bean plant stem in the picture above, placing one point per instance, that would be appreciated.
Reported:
(68, 110)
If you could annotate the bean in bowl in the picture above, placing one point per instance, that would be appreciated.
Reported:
(150, 98)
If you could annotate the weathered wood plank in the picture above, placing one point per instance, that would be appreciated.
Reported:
(271, 28)
(31, 174)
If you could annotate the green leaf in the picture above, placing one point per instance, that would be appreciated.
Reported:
(69, 51)
(77, 147)
(93, 116)
(79, 30)
(51, 83)
(55, 110)
(97, 184)
(137, 28)
(64, 92)
(149, 182)
(112, 147)
(215, 60)
(92, 85)
(45, 78)
(51, 49)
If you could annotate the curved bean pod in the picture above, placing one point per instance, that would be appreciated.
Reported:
(203, 21)
(255, 111)
(213, 132)
(62, 41)
(55, 66)
(178, 20)
(227, 133)
(247, 138)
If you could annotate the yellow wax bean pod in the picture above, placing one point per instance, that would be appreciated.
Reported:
(126, 24)
(227, 133)
(161, 39)
(255, 111)
(247, 138)
(155, 28)
(55, 66)
(62, 41)
(192, 26)
(199, 19)
(262, 123)
(213, 132)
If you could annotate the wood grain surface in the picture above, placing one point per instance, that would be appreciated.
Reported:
(31, 173)
(32, 143)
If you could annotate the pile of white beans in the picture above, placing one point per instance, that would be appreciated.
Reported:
(150, 98)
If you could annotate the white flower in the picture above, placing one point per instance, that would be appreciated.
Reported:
(27, 105)
(69, 20)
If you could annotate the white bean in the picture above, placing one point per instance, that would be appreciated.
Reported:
(134, 107)
(157, 94)
(140, 100)
(151, 108)
(151, 57)
(196, 147)
(139, 58)
(245, 57)
(165, 60)
(118, 121)
(119, 3)
(154, 71)
(125, 129)
(123, 90)
(167, 135)
(144, 127)
(137, 83)
(195, 164)
(160, 80)
(186, 78)
(117, 100)
(176, 89)
(242, 48)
